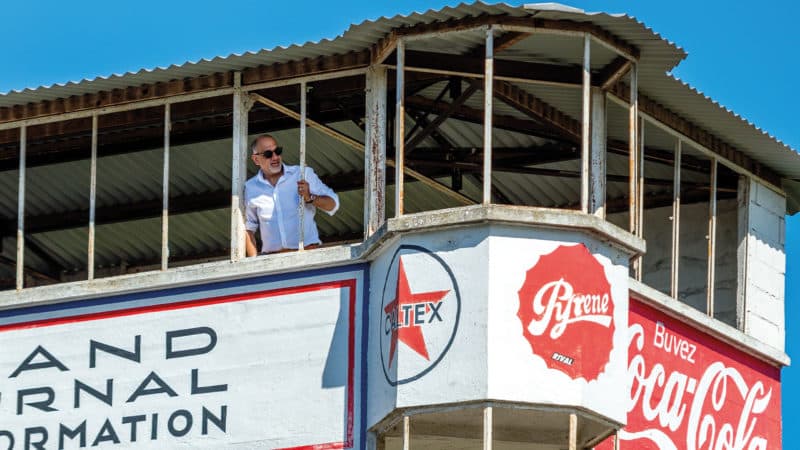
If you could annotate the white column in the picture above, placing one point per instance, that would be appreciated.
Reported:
(239, 156)
(399, 129)
(406, 433)
(676, 220)
(487, 428)
(375, 150)
(165, 191)
(597, 167)
(586, 124)
(301, 207)
(633, 161)
(487, 116)
(573, 432)
(92, 199)
(712, 239)
(23, 149)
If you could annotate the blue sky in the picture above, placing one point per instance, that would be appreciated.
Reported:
(741, 54)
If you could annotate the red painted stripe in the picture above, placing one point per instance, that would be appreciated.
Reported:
(329, 446)
(338, 284)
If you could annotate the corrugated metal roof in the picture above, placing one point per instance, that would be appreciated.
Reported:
(658, 56)
(357, 37)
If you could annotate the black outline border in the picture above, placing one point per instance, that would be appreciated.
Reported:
(455, 326)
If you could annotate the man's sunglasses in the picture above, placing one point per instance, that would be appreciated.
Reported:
(268, 153)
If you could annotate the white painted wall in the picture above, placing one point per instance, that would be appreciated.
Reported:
(763, 280)
(462, 373)
(515, 373)
(490, 358)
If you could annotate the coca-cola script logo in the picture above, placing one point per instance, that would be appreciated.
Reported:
(689, 391)
(567, 312)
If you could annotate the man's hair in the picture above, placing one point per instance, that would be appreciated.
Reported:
(263, 136)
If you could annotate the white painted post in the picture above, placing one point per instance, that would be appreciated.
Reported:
(597, 167)
(399, 129)
(586, 123)
(92, 199)
(406, 433)
(487, 116)
(633, 164)
(640, 181)
(487, 428)
(23, 149)
(165, 191)
(573, 431)
(639, 265)
(676, 220)
(239, 155)
(712, 239)
(302, 206)
(375, 150)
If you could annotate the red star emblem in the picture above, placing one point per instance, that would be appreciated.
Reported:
(411, 334)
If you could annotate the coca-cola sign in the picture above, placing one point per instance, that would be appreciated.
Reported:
(567, 312)
(689, 391)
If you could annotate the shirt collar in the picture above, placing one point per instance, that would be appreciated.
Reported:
(287, 171)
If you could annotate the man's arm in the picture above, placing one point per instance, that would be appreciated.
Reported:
(250, 244)
(322, 202)
(326, 199)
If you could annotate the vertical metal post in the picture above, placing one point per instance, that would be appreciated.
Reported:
(92, 199)
(633, 163)
(406, 433)
(487, 116)
(487, 428)
(586, 123)
(616, 440)
(302, 206)
(239, 155)
(597, 166)
(640, 181)
(573, 432)
(399, 129)
(23, 149)
(375, 151)
(639, 264)
(165, 191)
(676, 221)
(712, 238)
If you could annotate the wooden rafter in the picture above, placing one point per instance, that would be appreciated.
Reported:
(613, 72)
(434, 124)
(504, 68)
(537, 109)
(542, 24)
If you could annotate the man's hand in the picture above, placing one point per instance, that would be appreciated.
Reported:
(303, 191)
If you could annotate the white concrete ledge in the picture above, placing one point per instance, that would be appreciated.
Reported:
(714, 327)
(182, 276)
(518, 215)
(324, 257)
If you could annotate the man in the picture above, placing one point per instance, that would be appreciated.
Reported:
(272, 198)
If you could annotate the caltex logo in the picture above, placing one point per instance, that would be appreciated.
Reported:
(419, 314)
(567, 312)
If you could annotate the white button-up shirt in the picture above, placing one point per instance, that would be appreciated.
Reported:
(273, 209)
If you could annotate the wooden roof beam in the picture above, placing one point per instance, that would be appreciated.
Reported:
(535, 24)
(474, 67)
